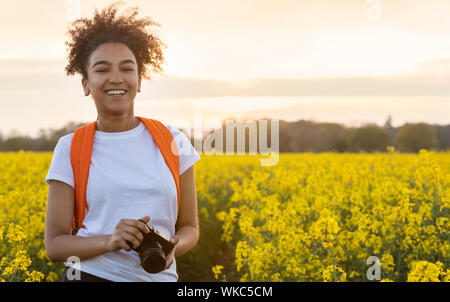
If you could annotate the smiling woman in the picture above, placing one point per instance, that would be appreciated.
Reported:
(109, 178)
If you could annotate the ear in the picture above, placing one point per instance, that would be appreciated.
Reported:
(84, 83)
(139, 85)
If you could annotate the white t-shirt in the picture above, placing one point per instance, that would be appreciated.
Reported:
(128, 178)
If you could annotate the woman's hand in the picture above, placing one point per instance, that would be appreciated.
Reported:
(171, 256)
(127, 234)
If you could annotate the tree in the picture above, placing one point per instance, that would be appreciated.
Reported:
(389, 128)
(413, 137)
(369, 138)
(17, 143)
(443, 136)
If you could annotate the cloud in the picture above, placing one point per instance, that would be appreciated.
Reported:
(431, 79)
(437, 68)
(417, 85)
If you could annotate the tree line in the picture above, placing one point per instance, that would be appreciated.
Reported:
(298, 136)
(309, 136)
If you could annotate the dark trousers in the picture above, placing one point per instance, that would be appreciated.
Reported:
(84, 277)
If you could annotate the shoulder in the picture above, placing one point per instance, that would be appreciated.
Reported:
(63, 145)
(175, 131)
(65, 140)
(180, 137)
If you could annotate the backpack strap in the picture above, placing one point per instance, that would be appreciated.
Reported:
(81, 153)
(80, 158)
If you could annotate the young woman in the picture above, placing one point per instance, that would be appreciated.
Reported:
(128, 178)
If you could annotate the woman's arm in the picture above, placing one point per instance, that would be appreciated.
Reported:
(60, 244)
(187, 230)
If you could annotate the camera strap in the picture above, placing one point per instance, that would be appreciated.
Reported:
(81, 153)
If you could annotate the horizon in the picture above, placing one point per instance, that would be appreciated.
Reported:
(181, 125)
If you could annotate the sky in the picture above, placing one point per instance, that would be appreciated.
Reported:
(346, 61)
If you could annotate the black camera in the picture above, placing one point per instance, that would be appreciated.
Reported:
(153, 250)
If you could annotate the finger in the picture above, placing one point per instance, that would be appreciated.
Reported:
(129, 244)
(125, 245)
(132, 230)
(128, 238)
(145, 219)
(169, 263)
(137, 224)
(174, 240)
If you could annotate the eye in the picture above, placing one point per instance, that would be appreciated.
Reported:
(101, 70)
(129, 69)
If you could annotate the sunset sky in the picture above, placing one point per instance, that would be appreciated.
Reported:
(345, 61)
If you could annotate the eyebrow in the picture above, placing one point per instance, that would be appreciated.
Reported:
(109, 63)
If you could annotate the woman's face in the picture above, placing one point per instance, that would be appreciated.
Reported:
(112, 67)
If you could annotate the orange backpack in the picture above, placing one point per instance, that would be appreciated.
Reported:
(80, 157)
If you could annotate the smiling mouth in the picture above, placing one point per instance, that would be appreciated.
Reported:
(116, 93)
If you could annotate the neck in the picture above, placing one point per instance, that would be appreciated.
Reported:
(119, 124)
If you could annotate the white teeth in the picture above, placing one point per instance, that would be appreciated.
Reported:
(115, 92)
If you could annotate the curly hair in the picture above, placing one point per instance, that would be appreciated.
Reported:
(87, 34)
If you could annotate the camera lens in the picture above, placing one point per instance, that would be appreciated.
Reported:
(152, 256)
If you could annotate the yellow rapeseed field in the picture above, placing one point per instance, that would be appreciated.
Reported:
(311, 217)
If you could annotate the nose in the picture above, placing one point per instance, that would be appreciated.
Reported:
(115, 78)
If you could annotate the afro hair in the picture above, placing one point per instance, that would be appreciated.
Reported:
(87, 34)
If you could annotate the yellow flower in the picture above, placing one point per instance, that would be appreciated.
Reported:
(391, 149)
(330, 272)
(51, 277)
(34, 276)
(217, 270)
(430, 230)
(387, 262)
(15, 233)
(8, 271)
(443, 224)
(424, 271)
(22, 261)
(325, 228)
(327, 274)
